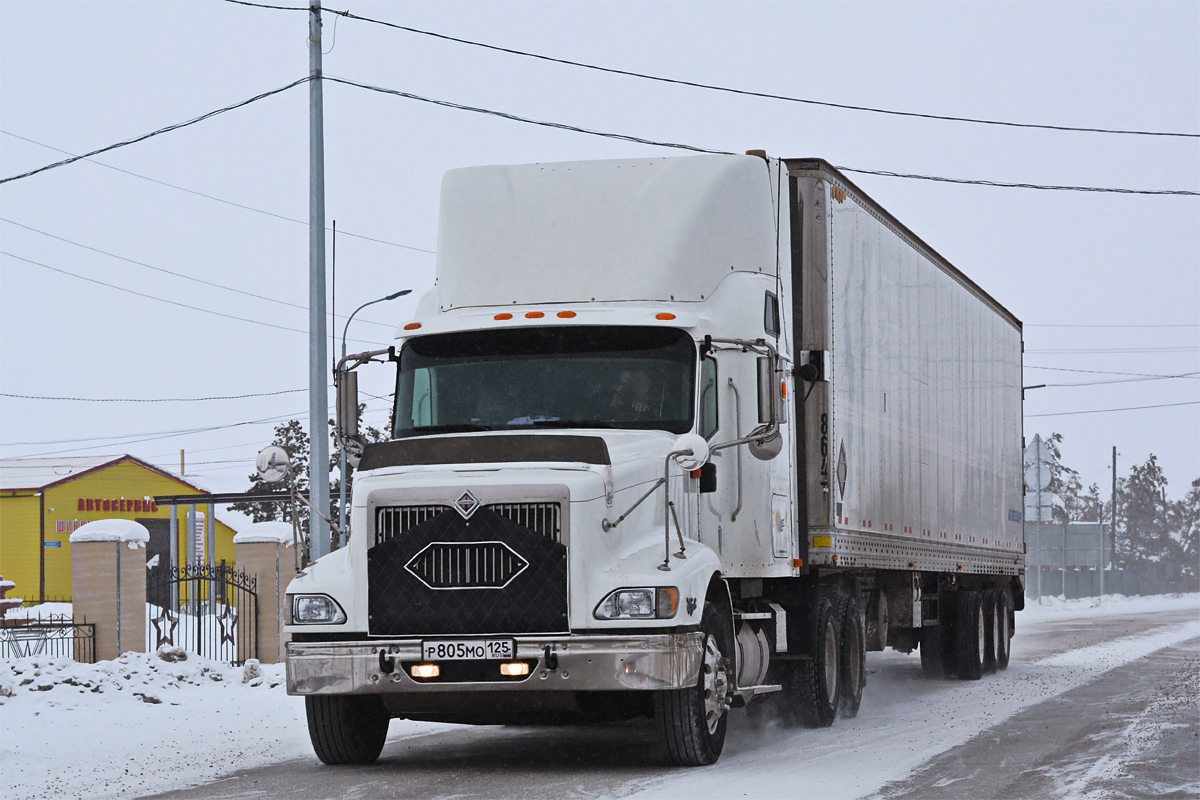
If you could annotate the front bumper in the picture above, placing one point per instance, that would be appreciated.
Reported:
(584, 663)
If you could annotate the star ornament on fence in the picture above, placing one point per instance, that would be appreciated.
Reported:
(228, 616)
(165, 621)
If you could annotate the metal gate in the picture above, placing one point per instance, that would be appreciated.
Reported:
(210, 611)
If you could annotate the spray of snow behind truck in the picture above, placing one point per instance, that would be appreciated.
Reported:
(673, 437)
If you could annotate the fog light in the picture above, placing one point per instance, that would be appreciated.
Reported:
(516, 669)
(425, 670)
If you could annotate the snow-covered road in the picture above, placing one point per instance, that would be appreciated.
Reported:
(96, 730)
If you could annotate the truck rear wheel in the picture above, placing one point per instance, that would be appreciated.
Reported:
(993, 610)
(692, 721)
(346, 729)
(852, 656)
(1004, 614)
(810, 687)
(970, 643)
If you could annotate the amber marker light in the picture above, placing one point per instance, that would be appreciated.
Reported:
(664, 315)
(516, 669)
(412, 326)
(534, 315)
(502, 316)
(425, 670)
(566, 314)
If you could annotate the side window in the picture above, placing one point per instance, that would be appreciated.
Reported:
(771, 314)
(708, 397)
(422, 399)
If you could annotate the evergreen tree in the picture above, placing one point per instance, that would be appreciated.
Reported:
(1071, 503)
(1187, 523)
(1144, 518)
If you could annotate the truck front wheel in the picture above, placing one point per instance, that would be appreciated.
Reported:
(346, 729)
(692, 721)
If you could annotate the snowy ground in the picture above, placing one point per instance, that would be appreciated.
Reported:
(142, 724)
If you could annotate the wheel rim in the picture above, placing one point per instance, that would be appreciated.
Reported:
(716, 684)
(997, 611)
(982, 636)
(831, 663)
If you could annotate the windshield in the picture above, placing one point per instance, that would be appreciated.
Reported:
(585, 377)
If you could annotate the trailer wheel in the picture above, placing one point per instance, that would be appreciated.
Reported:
(1004, 615)
(346, 729)
(852, 656)
(992, 613)
(970, 644)
(810, 687)
(691, 722)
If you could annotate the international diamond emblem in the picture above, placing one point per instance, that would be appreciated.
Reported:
(466, 504)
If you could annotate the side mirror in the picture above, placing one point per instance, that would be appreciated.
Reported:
(693, 450)
(347, 406)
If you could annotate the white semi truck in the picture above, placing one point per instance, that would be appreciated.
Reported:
(672, 437)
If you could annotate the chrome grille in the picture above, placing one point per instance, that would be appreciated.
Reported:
(541, 518)
(394, 520)
(466, 565)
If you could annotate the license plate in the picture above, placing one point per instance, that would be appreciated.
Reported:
(468, 649)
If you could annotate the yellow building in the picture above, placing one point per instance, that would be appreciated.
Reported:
(44, 500)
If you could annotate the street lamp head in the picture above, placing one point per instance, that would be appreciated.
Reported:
(400, 293)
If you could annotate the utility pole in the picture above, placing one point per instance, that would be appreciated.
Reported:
(1113, 527)
(318, 364)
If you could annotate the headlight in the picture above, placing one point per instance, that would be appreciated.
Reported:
(651, 603)
(316, 609)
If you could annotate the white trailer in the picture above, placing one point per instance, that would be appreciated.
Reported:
(672, 437)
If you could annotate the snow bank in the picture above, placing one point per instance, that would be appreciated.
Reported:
(43, 611)
(268, 532)
(1107, 606)
(112, 530)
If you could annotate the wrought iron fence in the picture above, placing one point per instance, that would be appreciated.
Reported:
(52, 636)
(210, 611)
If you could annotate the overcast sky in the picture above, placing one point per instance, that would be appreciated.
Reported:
(77, 76)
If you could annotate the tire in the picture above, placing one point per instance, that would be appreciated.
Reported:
(852, 657)
(1004, 613)
(970, 641)
(810, 687)
(691, 722)
(346, 729)
(992, 613)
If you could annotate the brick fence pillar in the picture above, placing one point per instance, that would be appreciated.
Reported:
(264, 551)
(108, 584)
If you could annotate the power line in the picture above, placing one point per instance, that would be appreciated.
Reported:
(725, 89)
(1192, 375)
(151, 399)
(527, 120)
(110, 440)
(1107, 372)
(1093, 350)
(1048, 325)
(1106, 410)
(163, 299)
(175, 274)
(696, 149)
(343, 232)
(152, 134)
(1004, 185)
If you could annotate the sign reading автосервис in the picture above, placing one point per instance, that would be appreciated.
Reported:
(118, 505)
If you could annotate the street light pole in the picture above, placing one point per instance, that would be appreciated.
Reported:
(342, 449)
